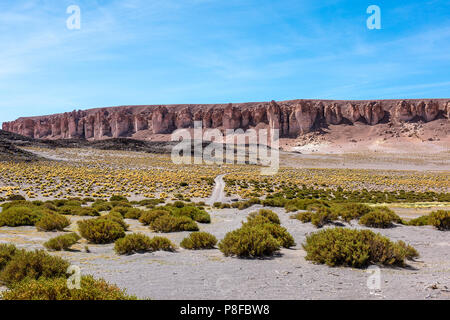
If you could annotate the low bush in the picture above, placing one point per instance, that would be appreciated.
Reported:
(116, 217)
(304, 204)
(133, 243)
(268, 214)
(78, 211)
(355, 248)
(57, 289)
(100, 231)
(420, 221)
(15, 197)
(32, 265)
(120, 204)
(323, 216)
(168, 223)
(351, 211)
(52, 222)
(277, 231)
(162, 244)
(150, 203)
(380, 218)
(101, 206)
(133, 213)
(304, 217)
(199, 240)
(147, 217)
(62, 242)
(220, 205)
(19, 203)
(118, 198)
(193, 212)
(249, 242)
(7, 251)
(19, 216)
(440, 219)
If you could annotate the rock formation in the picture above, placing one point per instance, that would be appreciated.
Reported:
(292, 118)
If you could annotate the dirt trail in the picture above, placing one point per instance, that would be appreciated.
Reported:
(218, 194)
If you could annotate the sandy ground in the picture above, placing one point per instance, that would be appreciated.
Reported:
(207, 274)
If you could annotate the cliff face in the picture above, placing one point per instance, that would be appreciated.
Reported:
(292, 118)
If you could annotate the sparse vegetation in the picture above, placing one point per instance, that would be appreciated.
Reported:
(355, 248)
(52, 222)
(133, 243)
(19, 216)
(199, 240)
(440, 219)
(57, 289)
(32, 265)
(169, 223)
(63, 242)
(101, 231)
(380, 218)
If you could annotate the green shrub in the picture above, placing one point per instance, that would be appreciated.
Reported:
(100, 231)
(32, 265)
(62, 242)
(15, 197)
(52, 222)
(192, 212)
(7, 251)
(116, 217)
(277, 231)
(280, 234)
(19, 216)
(162, 244)
(78, 211)
(147, 217)
(440, 219)
(420, 221)
(323, 216)
(133, 243)
(269, 214)
(355, 248)
(73, 203)
(199, 240)
(19, 203)
(118, 198)
(133, 213)
(150, 203)
(351, 211)
(120, 204)
(249, 242)
(101, 206)
(168, 223)
(57, 289)
(304, 217)
(380, 218)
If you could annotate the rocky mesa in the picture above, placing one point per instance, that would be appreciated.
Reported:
(292, 118)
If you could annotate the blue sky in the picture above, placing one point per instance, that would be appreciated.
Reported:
(210, 51)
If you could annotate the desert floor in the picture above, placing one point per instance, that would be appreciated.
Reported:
(207, 274)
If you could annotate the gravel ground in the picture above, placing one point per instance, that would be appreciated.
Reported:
(207, 274)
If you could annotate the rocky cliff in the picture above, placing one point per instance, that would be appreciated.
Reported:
(292, 118)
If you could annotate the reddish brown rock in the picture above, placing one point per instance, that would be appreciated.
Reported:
(292, 117)
(183, 119)
(306, 116)
(351, 112)
(332, 113)
(404, 111)
(231, 117)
